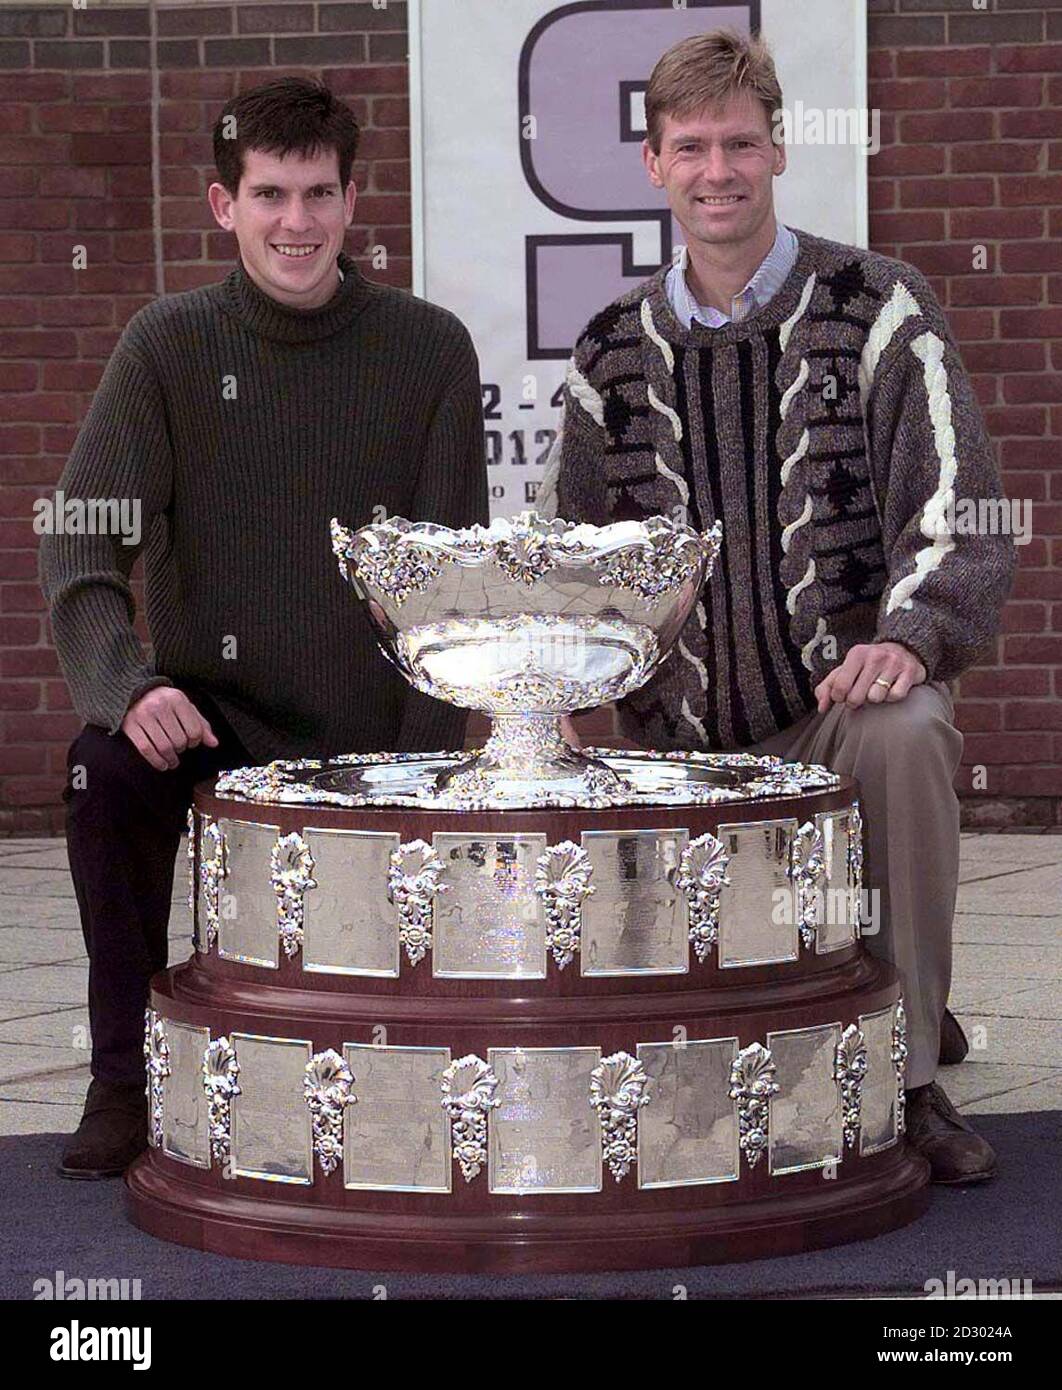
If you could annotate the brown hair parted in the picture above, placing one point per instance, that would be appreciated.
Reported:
(288, 116)
(703, 71)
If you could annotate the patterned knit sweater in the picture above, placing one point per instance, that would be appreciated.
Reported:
(831, 432)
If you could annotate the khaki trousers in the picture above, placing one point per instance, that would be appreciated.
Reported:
(904, 756)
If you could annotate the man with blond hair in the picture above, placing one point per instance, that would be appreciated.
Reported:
(810, 396)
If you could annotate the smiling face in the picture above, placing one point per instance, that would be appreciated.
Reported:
(289, 216)
(718, 167)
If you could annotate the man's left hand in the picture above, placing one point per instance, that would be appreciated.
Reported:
(853, 682)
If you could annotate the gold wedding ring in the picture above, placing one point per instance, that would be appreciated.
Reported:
(880, 680)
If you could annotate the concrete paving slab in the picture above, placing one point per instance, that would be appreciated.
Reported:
(974, 843)
(1027, 893)
(34, 1062)
(41, 945)
(53, 857)
(1008, 962)
(1001, 1038)
(64, 1088)
(969, 1086)
(971, 991)
(1039, 1095)
(978, 928)
(12, 1009)
(31, 911)
(1036, 1003)
(67, 1028)
(54, 883)
(46, 984)
(36, 1117)
(980, 867)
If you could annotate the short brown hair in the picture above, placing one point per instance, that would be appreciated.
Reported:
(703, 71)
(287, 116)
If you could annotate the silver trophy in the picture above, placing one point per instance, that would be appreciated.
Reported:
(527, 620)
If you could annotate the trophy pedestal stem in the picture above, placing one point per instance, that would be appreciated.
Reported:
(525, 756)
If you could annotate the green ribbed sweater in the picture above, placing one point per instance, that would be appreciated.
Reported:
(371, 401)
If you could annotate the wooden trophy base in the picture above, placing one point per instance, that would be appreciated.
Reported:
(658, 1099)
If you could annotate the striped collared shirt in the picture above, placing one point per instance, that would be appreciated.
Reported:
(764, 285)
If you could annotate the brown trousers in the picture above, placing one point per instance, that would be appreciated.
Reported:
(904, 756)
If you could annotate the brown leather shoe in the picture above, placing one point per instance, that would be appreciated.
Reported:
(113, 1130)
(940, 1134)
(953, 1044)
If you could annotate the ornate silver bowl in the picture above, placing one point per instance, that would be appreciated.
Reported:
(527, 620)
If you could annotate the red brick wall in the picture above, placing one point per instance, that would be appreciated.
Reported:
(971, 105)
(972, 155)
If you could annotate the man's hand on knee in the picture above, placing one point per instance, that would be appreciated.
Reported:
(859, 676)
(162, 724)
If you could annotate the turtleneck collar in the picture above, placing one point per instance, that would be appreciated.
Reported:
(267, 317)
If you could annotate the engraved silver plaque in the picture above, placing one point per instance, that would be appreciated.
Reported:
(200, 916)
(185, 1131)
(688, 1132)
(544, 1136)
(247, 912)
(879, 1121)
(806, 1117)
(757, 910)
(272, 1131)
(637, 921)
(489, 921)
(397, 1137)
(349, 927)
(838, 923)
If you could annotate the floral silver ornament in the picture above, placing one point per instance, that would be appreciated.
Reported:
(190, 820)
(855, 859)
(157, 1057)
(213, 867)
(291, 874)
(701, 877)
(617, 1092)
(384, 558)
(660, 563)
(525, 554)
(562, 881)
(468, 1087)
(342, 544)
(752, 1084)
(849, 1070)
(899, 1061)
(220, 1070)
(327, 1087)
(807, 871)
(413, 881)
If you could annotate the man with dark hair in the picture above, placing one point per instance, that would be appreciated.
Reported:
(810, 396)
(239, 419)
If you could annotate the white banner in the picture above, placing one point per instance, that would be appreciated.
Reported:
(531, 207)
